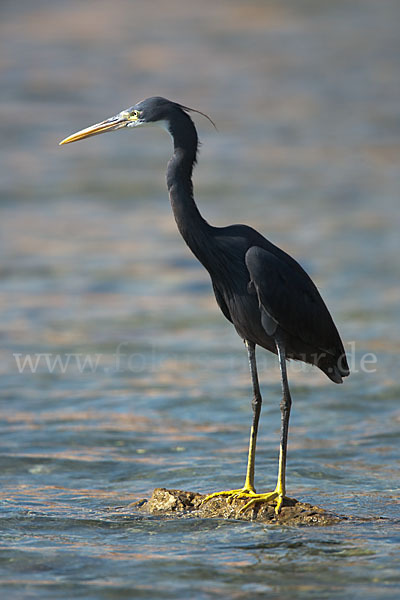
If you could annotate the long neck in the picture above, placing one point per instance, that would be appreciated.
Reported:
(191, 224)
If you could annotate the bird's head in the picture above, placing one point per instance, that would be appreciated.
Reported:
(152, 110)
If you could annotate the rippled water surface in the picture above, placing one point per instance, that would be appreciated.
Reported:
(118, 373)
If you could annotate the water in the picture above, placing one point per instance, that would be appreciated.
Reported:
(138, 380)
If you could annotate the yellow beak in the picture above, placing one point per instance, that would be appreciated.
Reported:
(118, 122)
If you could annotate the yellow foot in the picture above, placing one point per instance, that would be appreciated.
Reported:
(249, 493)
(275, 496)
(245, 492)
(267, 498)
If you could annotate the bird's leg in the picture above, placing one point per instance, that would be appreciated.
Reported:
(248, 490)
(279, 493)
(286, 404)
(256, 406)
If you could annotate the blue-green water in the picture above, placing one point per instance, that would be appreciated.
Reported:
(118, 373)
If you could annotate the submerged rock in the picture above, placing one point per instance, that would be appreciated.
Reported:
(180, 502)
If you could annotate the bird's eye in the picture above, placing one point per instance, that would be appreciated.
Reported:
(135, 114)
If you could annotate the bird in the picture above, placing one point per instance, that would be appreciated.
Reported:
(267, 296)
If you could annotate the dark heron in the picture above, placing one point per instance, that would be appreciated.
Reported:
(261, 290)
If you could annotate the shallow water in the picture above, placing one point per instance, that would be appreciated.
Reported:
(119, 374)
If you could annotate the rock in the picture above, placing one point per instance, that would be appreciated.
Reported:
(180, 502)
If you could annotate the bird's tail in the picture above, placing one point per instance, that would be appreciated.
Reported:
(336, 370)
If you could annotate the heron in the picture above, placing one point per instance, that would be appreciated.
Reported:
(264, 292)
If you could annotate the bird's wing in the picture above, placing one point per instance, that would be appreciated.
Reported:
(288, 298)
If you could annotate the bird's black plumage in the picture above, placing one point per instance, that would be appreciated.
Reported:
(263, 291)
(258, 287)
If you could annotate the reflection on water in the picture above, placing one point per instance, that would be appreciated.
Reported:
(118, 372)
